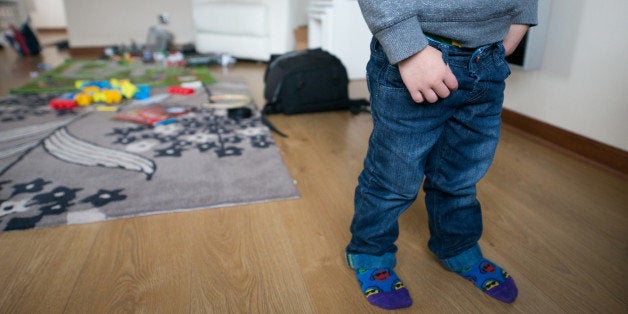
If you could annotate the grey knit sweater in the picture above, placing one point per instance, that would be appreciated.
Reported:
(400, 25)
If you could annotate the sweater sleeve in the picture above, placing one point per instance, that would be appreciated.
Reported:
(396, 26)
(529, 14)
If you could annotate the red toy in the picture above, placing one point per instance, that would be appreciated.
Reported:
(63, 104)
(180, 90)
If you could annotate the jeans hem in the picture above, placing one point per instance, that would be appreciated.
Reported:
(463, 260)
(366, 261)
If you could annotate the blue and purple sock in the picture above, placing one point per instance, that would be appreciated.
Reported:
(492, 279)
(383, 288)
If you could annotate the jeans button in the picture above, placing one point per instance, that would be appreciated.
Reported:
(477, 59)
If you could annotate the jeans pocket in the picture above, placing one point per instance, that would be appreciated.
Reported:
(502, 67)
(391, 78)
(503, 71)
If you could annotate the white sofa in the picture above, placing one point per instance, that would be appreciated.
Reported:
(247, 29)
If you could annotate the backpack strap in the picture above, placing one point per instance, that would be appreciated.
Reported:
(269, 124)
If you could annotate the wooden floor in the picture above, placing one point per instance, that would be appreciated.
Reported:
(557, 224)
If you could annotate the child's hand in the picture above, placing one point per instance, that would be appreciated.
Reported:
(426, 76)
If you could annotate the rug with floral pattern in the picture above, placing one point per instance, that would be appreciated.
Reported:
(82, 166)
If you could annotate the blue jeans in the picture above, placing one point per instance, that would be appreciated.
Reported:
(450, 143)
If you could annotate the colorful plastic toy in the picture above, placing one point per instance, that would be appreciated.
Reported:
(90, 89)
(80, 84)
(83, 99)
(112, 96)
(143, 92)
(109, 92)
(178, 90)
(106, 108)
(99, 96)
(62, 104)
(128, 89)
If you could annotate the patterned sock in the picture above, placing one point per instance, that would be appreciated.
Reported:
(383, 288)
(492, 279)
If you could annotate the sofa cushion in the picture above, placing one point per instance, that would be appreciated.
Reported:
(231, 18)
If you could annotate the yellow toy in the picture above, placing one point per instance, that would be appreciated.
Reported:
(106, 108)
(108, 96)
(83, 99)
(112, 96)
(115, 83)
(90, 89)
(128, 89)
(99, 96)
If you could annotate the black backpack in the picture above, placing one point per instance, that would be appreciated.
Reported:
(307, 81)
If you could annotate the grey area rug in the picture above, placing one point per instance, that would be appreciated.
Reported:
(81, 166)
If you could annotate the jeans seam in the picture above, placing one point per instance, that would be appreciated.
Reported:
(437, 169)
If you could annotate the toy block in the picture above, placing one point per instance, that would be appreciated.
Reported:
(62, 104)
(178, 90)
(99, 97)
(112, 96)
(83, 99)
(143, 92)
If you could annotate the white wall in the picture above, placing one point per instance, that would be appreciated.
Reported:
(47, 14)
(97, 23)
(582, 85)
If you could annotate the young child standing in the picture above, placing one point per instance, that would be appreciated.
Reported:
(436, 79)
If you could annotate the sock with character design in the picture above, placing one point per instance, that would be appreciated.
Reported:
(383, 288)
(492, 279)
